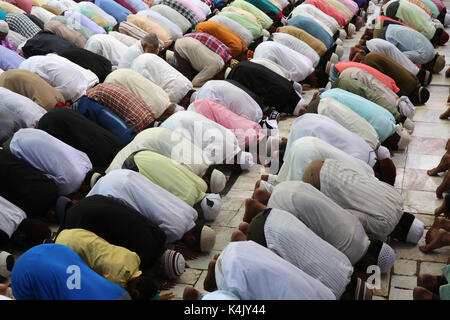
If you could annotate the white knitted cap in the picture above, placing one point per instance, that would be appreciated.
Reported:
(342, 34)
(351, 29)
(338, 42)
(339, 51)
(4, 270)
(211, 205)
(405, 107)
(409, 125)
(383, 153)
(246, 160)
(207, 239)
(386, 258)
(218, 181)
(404, 137)
(334, 58)
(415, 231)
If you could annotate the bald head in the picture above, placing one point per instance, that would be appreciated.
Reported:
(150, 43)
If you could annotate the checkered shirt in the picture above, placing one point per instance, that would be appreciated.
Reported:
(21, 24)
(183, 10)
(132, 109)
(214, 44)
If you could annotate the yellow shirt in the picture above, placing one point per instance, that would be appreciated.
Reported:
(117, 264)
(10, 8)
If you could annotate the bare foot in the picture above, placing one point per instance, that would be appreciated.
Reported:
(252, 208)
(435, 239)
(261, 196)
(421, 293)
(167, 296)
(238, 235)
(441, 223)
(210, 280)
(427, 281)
(445, 115)
(432, 172)
(265, 177)
(187, 253)
(3, 289)
(243, 226)
(190, 293)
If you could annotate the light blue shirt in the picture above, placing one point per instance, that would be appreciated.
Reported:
(9, 59)
(313, 28)
(381, 120)
(114, 9)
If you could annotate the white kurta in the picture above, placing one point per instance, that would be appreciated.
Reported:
(62, 76)
(153, 95)
(42, 14)
(167, 143)
(106, 46)
(173, 16)
(157, 70)
(125, 39)
(241, 31)
(232, 97)
(292, 240)
(174, 30)
(307, 149)
(376, 204)
(330, 131)
(253, 272)
(296, 63)
(130, 55)
(10, 216)
(91, 77)
(322, 17)
(297, 45)
(65, 165)
(273, 66)
(324, 217)
(349, 119)
(27, 110)
(218, 143)
(381, 45)
(174, 216)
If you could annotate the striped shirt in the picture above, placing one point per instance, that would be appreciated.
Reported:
(125, 104)
(21, 24)
(422, 6)
(376, 204)
(183, 10)
(115, 263)
(212, 43)
(292, 240)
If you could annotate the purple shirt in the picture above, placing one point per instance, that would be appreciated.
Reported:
(9, 59)
(8, 45)
(85, 21)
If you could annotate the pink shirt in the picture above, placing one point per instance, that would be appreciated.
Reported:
(351, 5)
(25, 5)
(196, 10)
(247, 132)
(325, 7)
(388, 81)
(439, 4)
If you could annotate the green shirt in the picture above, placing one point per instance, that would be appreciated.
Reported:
(444, 291)
(171, 176)
(408, 15)
(254, 28)
(434, 9)
(262, 18)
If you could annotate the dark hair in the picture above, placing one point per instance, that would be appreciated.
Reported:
(146, 287)
(116, 27)
(35, 231)
(322, 77)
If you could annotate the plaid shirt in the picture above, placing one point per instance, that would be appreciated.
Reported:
(21, 24)
(183, 10)
(132, 109)
(214, 44)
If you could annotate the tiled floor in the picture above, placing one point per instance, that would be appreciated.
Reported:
(418, 189)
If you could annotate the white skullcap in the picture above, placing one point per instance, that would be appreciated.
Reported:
(386, 258)
(174, 264)
(447, 19)
(94, 179)
(383, 153)
(265, 186)
(339, 51)
(220, 295)
(194, 96)
(266, 33)
(334, 58)
(415, 231)
(217, 181)
(211, 205)
(220, 278)
(169, 54)
(338, 42)
(246, 160)
(5, 269)
(404, 137)
(207, 239)
(272, 178)
(351, 29)
(227, 72)
(405, 107)
(329, 66)
(4, 28)
(409, 125)
(342, 34)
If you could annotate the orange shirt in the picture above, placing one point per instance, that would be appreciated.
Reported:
(234, 42)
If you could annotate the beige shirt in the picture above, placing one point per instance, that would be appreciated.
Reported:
(202, 59)
(150, 26)
(64, 32)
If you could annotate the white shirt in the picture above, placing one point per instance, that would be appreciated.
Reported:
(157, 70)
(288, 237)
(297, 45)
(218, 143)
(91, 77)
(381, 45)
(10, 216)
(156, 17)
(62, 76)
(125, 39)
(307, 149)
(273, 66)
(232, 97)
(376, 204)
(167, 143)
(330, 131)
(242, 32)
(153, 95)
(106, 46)
(349, 119)
(173, 16)
(27, 110)
(63, 164)
(324, 217)
(42, 14)
(174, 216)
(130, 54)
(253, 272)
(322, 17)
(296, 63)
